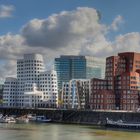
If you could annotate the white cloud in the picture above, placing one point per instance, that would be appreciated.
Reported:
(68, 32)
(117, 22)
(12, 47)
(128, 42)
(65, 29)
(78, 31)
(8, 69)
(6, 11)
(96, 46)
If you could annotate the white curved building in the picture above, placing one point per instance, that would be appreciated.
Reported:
(31, 80)
(48, 85)
(10, 92)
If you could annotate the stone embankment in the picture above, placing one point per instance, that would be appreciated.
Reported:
(76, 116)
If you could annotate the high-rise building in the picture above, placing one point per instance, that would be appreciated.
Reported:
(33, 87)
(122, 82)
(95, 67)
(75, 94)
(78, 67)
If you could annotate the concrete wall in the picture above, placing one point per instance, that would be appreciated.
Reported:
(74, 116)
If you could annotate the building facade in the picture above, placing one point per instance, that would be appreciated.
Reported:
(48, 85)
(75, 94)
(78, 67)
(10, 94)
(122, 78)
(27, 89)
(1, 92)
(101, 97)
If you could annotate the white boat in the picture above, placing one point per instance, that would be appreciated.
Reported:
(121, 124)
(7, 119)
(42, 119)
(35, 118)
(22, 119)
(31, 117)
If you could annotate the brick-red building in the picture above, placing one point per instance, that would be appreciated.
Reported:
(122, 83)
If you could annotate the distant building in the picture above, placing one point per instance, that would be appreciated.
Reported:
(75, 94)
(1, 91)
(122, 82)
(78, 67)
(33, 87)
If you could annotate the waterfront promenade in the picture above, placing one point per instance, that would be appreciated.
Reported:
(76, 116)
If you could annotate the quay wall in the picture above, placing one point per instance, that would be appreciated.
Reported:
(76, 116)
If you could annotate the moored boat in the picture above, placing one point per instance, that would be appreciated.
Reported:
(42, 119)
(7, 119)
(31, 117)
(35, 118)
(122, 124)
(22, 119)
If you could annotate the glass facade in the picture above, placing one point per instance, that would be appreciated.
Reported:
(95, 67)
(94, 72)
(77, 67)
(62, 66)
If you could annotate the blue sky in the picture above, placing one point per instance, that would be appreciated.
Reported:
(26, 10)
(42, 26)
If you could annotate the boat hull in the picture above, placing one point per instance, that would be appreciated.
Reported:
(124, 125)
(43, 121)
(5, 121)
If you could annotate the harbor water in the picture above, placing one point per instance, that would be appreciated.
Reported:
(63, 132)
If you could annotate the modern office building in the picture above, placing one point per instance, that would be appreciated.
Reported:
(32, 85)
(95, 67)
(78, 67)
(122, 80)
(75, 94)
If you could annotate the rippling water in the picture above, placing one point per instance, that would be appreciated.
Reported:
(62, 132)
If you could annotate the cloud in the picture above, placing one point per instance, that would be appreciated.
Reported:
(97, 46)
(6, 11)
(117, 22)
(68, 32)
(8, 69)
(78, 31)
(127, 42)
(12, 47)
(68, 28)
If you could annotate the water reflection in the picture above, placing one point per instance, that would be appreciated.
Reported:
(62, 132)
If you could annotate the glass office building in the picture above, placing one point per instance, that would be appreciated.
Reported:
(77, 67)
(95, 67)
